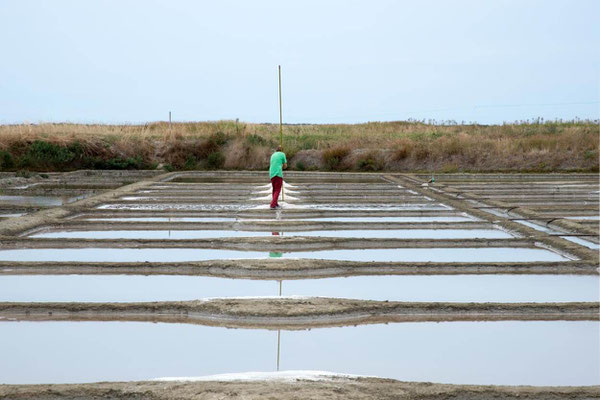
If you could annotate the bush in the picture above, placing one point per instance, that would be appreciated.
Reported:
(190, 162)
(118, 163)
(45, 155)
(370, 162)
(333, 157)
(6, 160)
(215, 160)
(218, 138)
(255, 140)
(300, 166)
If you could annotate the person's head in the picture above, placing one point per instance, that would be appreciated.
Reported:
(279, 148)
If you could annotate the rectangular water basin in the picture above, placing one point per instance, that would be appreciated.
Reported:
(287, 217)
(489, 254)
(246, 206)
(40, 200)
(583, 242)
(163, 219)
(502, 353)
(438, 288)
(345, 233)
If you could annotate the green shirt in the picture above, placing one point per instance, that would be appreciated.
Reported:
(277, 161)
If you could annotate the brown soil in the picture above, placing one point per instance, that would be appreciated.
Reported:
(297, 313)
(337, 388)
(294, 268)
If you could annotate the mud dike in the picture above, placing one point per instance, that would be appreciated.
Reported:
(471, 279)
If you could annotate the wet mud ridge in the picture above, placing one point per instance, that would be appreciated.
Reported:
(217, 225)
(297, 313)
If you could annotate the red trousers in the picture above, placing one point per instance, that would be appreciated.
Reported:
(277, 182)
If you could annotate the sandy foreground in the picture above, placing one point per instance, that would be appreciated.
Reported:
(289, 385)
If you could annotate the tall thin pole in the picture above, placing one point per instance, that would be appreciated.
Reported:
(169, 121)
(280, 123)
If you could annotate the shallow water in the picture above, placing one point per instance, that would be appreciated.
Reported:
(207, 234)
(397, 219)
(582, 241)
(489, 254)
(244, 206)
(12, 215)
(39, 200)
(290, 217)
(452, 288)
(505, 353)
(537, 227)
(162, 219)
(591, 217)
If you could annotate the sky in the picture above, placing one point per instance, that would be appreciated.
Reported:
(343, 61)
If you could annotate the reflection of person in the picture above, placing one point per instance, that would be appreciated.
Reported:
(278, 164)
(275, 254)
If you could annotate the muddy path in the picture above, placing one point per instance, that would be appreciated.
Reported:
(294, 268)
(297, 312)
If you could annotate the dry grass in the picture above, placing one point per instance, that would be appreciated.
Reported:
(550, 146)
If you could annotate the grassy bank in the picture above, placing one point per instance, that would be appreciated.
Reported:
(391, 146)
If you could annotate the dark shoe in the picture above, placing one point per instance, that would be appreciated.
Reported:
(275, 208)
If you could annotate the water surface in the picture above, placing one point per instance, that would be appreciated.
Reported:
(40, 200)
(451, 288)
(489, 254)
(345, 233)
(502, 353)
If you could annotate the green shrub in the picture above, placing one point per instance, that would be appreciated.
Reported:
(168, 168)
(333, 157)
(215, 160)
(6, 160)
(300, 166)
(118, 163)
(43, 155)
(370, 162)
(219, 138)
(190, 162)
(255, 140)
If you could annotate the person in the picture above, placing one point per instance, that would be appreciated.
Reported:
(278, 164)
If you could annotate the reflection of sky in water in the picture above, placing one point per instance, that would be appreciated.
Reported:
(490, 254)
(507, 353)
(206, 234)
(459, 288)
(582, 241)
(287, 217)
(162, 219)
(40, 200)
(175, 206)
(245, 206)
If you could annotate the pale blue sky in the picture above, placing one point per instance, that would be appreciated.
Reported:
(343, 61)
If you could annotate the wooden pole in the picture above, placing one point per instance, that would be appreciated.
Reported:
(280, 124)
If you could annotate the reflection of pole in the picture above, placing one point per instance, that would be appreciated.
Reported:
(280, 124)
(279, 333)
(278, 346)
